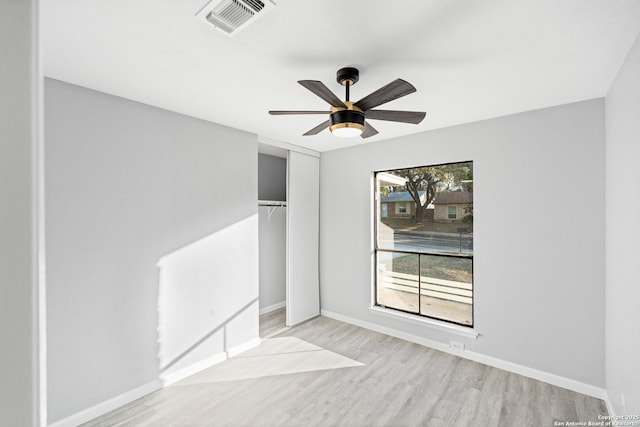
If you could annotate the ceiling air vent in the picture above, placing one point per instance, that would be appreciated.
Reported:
(231, 16)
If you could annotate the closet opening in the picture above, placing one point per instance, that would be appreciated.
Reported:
(272, 216)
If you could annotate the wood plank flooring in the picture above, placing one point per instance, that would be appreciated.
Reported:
(272, 322)
(328, 373)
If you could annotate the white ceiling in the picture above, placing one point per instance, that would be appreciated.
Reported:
(469, 59)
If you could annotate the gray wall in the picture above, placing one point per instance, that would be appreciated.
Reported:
(539, 234)
(623, 237)
(272, 178)
(18, 213)
(152, 241)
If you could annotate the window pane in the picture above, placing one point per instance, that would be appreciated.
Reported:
(446, 285)
(426, 209)
(453, 212)
(397, 281)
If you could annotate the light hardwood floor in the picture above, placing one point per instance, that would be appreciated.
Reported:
(272, 322)
(328, 373)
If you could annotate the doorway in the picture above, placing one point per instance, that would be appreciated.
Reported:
(289, 193)
(272, 219)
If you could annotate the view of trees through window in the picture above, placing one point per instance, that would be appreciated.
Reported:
(424, 241)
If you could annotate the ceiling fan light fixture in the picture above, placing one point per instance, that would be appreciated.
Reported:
(347, 130)
(347, 123)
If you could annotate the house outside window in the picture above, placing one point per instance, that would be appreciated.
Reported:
(398, 204)
(453, 205)
(424, 250)
(402, 208)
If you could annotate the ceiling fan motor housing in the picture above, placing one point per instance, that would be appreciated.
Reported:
(347, 119)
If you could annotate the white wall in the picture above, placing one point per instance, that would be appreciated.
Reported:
(19, 148)
(538, 267)
(623, 237)
(152, 245)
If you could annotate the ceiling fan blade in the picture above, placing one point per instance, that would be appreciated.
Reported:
(394, 90)
(323, 92)
(368, 130)
(285, 113)
(414, 117)
(316, 130)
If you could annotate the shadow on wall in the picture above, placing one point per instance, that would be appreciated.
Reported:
(208, 300)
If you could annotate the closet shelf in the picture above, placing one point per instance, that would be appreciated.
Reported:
(272, 204)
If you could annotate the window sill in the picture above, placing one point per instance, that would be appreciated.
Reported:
(430, 323)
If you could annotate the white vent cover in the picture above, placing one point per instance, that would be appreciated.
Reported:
(231, 16)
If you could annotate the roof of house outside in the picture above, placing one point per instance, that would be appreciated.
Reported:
(453, 197)
(401, 196)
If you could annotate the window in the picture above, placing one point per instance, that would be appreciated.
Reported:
(424, 250)
(402, 209)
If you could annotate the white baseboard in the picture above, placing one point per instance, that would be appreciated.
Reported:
(549, 378)
(234, 351)
(107, 406)
(610, 408)
(164, 381)
(194, 368)
(273, 307)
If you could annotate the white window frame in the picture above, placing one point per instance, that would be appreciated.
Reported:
(453, 327)
(455, 214)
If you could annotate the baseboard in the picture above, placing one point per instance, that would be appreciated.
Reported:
(610, 408)
(107, 406)
(234, 351)
(525, 371)
(164, 381)
(273, 307)
(194, 368)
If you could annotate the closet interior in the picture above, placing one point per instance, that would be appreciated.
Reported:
(272, 215)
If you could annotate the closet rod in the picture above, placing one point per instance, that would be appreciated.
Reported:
(272, 203)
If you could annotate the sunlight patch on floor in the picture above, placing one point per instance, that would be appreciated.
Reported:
(275, 356)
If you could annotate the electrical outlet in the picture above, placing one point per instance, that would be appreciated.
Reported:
(456, 345)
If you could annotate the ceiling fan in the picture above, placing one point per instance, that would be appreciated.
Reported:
(349, 119)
